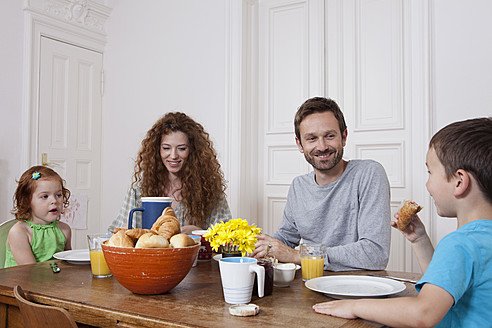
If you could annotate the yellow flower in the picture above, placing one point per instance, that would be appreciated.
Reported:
(235, 234)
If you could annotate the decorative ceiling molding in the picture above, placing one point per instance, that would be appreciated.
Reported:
(87, 14)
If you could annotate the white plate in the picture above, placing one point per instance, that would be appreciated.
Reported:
(75, 256)
(355, 286)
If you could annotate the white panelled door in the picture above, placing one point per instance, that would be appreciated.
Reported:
(70, 104)
(371, 57)
(291, 65)
(377, 70)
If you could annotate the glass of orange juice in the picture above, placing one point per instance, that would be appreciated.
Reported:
(99, 266)
(312, 260)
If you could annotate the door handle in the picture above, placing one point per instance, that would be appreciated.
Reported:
(44, 160)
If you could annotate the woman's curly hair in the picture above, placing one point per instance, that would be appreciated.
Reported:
(203, 184)
(26, 187)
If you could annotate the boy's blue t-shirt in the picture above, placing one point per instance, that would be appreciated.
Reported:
(462, 265)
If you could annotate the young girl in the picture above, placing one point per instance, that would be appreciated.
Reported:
(38, 203)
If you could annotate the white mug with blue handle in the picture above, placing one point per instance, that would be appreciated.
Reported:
(238, 276)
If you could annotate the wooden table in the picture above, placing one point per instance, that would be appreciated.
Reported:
(196, 302)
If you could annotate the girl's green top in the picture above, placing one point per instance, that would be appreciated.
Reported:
(46, 241)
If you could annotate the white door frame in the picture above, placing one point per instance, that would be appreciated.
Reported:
(79, 23)
(241, 103)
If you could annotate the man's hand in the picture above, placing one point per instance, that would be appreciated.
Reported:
(282, 252)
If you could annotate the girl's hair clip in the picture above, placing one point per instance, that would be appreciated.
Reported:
(36, 175)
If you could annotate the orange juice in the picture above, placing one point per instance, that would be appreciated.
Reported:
(312, 267)
(98, 263)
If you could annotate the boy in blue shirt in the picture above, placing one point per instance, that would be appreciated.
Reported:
(457, 282)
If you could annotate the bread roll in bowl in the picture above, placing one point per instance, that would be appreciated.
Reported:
(120, 239)
(151, 240)
(181, 240)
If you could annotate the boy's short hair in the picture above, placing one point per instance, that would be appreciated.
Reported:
(467, 145)
(318, 105)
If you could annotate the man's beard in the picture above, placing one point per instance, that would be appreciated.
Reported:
(327, 164)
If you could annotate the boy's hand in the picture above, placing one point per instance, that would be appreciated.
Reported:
(342, 309)
(415, 229)
(425, 310)
(420, 241)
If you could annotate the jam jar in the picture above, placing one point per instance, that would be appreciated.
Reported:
(268, 265)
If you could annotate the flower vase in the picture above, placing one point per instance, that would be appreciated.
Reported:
(229, 254)
(230, 251)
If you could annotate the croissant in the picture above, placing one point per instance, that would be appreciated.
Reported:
(151, 240)
(137, 233)
(167, 225)
(115, 230)
(408, 210)
(169, 211)
(121, 239)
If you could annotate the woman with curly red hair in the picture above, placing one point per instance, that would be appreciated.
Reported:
(177, 160)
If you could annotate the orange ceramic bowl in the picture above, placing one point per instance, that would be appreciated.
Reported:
(149, 270)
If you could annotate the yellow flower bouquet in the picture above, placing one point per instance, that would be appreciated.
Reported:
(235, 235)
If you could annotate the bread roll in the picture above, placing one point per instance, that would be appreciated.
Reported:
(408, 210)
(151, 240)
(120, 239)
(181, 240)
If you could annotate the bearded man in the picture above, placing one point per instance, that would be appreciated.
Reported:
(344, 205)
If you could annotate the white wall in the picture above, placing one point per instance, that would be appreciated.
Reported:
(161, 56)
(169, 55)
(462, 70)
(11, 41)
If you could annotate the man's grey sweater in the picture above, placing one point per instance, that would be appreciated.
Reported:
(351, 216)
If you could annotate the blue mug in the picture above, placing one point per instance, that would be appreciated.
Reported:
(151, 209)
